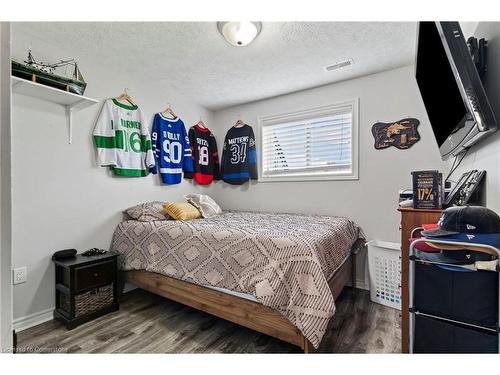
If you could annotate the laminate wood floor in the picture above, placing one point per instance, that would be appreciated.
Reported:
(147, 323)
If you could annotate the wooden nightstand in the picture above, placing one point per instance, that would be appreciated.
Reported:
(86, 288)
(410, 219)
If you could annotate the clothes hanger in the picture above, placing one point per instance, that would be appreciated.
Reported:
(201, 124)
(169, 111)
(125, 96)
(239, 123)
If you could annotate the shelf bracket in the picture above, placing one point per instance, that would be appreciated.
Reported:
(69, 118)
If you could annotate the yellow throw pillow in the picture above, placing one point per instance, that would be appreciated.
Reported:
(181, 211)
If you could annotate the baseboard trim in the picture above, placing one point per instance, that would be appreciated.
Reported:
(25, 322)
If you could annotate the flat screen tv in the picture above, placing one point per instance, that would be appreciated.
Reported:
(453, 95)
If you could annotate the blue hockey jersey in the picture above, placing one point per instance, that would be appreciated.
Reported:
(171, 149)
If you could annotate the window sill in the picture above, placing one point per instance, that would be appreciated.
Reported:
(308, 178)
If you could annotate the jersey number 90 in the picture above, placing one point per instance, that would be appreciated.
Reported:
(172, 151)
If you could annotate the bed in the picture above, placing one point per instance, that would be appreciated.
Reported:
(278, 274)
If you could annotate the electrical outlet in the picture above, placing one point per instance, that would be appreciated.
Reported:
(20, 275)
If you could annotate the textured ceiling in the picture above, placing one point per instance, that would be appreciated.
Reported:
(193, 58)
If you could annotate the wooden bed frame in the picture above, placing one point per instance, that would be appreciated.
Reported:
(238, 310)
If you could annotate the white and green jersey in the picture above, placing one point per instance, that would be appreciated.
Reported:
(122, 139)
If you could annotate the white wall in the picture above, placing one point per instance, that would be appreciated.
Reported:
(485, 155)
(468, 28)
(5, 192)
(61, 198)
(372, 200)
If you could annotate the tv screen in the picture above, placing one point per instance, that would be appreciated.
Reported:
(451, 89)
(440, 93)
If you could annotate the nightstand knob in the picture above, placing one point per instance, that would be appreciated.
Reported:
(96, 274)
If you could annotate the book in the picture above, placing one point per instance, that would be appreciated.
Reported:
(427, 189)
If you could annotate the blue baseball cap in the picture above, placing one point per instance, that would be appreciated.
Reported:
(492, 239)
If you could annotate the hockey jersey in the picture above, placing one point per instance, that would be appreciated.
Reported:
(239, 157)
(205, 156)
(171, 149)
(122, 140)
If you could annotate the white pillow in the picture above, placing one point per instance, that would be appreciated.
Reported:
(204, 204)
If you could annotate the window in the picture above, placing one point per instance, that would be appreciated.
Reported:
(317, 144)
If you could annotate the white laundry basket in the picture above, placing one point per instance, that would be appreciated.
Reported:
(384, 267)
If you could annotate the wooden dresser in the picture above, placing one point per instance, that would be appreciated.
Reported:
(410, 219)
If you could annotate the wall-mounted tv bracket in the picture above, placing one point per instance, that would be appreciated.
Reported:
(478, 51)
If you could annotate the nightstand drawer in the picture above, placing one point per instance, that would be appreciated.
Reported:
(94, 275)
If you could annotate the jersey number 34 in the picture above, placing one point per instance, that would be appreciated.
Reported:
(238, 153)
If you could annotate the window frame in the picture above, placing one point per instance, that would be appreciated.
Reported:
(310, 113)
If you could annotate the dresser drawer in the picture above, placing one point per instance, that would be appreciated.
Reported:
(94, 275)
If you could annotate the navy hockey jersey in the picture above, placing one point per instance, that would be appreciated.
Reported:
(171, 149)
(239, 157)
(205, 156)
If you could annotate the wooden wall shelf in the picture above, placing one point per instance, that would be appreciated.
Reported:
(72, 102)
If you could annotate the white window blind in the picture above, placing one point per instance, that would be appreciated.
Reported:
(318, 144)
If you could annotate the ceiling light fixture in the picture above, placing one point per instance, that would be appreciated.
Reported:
(239, 34)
